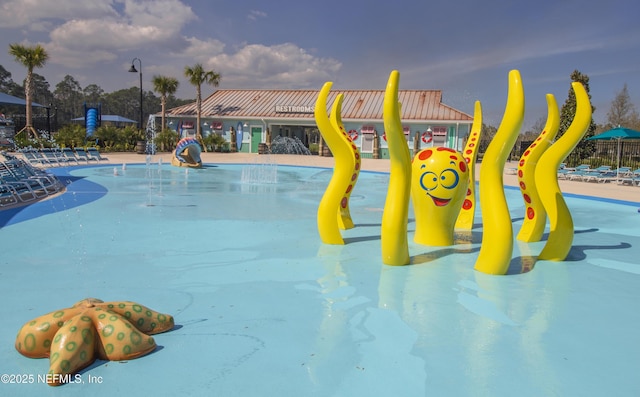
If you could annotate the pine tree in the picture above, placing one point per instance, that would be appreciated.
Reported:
(585, 148)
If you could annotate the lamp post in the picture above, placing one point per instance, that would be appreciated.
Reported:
(132, 69)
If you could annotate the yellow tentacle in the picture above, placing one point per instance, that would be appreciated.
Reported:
(535, 218)
(470, 153)
(393, 237)
(497, 237)
(560, 222)
(327, 219)
(349, 163)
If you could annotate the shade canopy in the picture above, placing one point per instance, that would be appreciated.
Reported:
(6, 99)
(616, 133)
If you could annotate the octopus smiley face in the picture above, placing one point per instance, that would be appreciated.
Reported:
(439, 172)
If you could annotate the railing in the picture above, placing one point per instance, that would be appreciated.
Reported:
(606, 153)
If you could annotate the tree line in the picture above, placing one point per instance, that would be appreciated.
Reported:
(68, 98)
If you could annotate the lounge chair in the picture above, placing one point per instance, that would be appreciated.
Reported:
(93, 152)
(69, 155)
(592, 175)
(84, 156)
(51, 156)
(24, 172)
(631, 178)
(35, 158)
(578, 172)
(566, 173)
(31, 189)
(8, 195)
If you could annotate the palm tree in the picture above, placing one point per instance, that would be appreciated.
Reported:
(164, 86)
(30, 57)
(197, 75)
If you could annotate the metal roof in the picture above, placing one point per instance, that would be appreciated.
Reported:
(417, 105)
(6, 99)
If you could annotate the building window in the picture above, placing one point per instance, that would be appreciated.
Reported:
(439, 136)
(407, 134)
(367, 132)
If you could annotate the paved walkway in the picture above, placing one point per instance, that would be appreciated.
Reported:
(603, 190)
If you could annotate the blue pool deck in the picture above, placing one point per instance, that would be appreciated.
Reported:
(263, 308)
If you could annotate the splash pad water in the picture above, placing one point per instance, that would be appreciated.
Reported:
(329, 319)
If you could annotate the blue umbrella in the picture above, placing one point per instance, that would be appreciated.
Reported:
(618, 133)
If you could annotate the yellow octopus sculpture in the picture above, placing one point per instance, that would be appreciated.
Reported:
(537, 168)
(439, 183)
(468, 211)
(333, 210)
(497, 235)
(561, 231)
(535, 218)
(91, 329)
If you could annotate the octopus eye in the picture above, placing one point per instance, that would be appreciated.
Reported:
(449, 178)
(429, 181)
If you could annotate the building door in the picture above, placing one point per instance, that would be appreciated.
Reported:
(256, 138)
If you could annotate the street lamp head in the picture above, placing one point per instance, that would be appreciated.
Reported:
(133, 69)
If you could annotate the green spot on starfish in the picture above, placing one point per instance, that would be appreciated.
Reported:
(107, 331)
(30, 342)
(71, 346)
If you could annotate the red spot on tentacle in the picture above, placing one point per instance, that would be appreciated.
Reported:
(467, 204)
(520, 173)
(530, 213)
(521, 162)
(349, 189)
(468, 192)
(527, 198)
(526, 153)
(463, 166)
(344, 202)
(523, 186)
(354, 177)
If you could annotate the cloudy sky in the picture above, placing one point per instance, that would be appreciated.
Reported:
(463, 47)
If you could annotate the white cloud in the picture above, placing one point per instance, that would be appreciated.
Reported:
(255, 14)
(282, 65)
(31, 14)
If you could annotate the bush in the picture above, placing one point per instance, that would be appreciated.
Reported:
(166, 140)
(214, 142)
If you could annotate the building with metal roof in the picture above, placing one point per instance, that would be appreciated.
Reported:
(426, 120)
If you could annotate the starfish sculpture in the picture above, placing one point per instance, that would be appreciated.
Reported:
(75, 337)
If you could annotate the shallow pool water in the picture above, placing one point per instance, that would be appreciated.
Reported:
(262, 307)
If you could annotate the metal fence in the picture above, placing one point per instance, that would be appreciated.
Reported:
(39, 122)
(606, 153)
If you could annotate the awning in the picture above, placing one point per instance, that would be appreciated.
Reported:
(6, 99)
